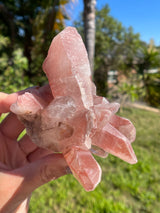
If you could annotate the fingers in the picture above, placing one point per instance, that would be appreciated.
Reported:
(38, 154)
(6, 100)
(31, 150)
(26, 145)
(11, 126)
(3, 166)
(39, 172)
(17, 185)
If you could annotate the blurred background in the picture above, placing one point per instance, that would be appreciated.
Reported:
(122, 39)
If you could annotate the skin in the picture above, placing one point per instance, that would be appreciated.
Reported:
(23, 166)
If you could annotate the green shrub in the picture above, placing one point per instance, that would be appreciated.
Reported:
(12, 68)
(153, 89)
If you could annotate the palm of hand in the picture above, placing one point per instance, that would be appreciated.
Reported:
(23, 166)
(14, 155)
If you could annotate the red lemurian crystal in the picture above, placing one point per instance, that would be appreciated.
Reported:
(74, 120)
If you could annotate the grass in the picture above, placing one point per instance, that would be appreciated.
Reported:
(124, 188)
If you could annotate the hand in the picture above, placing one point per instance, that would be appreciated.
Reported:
(23, 166)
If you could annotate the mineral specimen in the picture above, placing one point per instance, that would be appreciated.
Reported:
(74, 120)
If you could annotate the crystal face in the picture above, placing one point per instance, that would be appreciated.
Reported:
(68, 117)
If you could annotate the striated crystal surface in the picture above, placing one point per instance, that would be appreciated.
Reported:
(68, 117)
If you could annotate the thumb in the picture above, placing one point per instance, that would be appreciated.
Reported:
(42, 171)
(6, 100)
(18, 184)
(23, 181)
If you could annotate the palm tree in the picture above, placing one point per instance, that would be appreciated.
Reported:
(89, 29)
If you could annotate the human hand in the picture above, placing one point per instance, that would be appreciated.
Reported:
(23, 166)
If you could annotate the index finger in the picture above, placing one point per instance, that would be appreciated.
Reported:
(6, 100)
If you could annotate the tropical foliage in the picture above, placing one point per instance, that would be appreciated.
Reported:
(30, 26)
(12, 68)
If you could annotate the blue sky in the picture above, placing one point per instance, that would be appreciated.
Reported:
(142, 15)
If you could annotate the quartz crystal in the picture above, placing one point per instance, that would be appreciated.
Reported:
(68, 117)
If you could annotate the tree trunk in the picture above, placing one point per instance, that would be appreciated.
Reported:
(89, 29)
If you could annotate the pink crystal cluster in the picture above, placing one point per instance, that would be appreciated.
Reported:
(75, 121)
